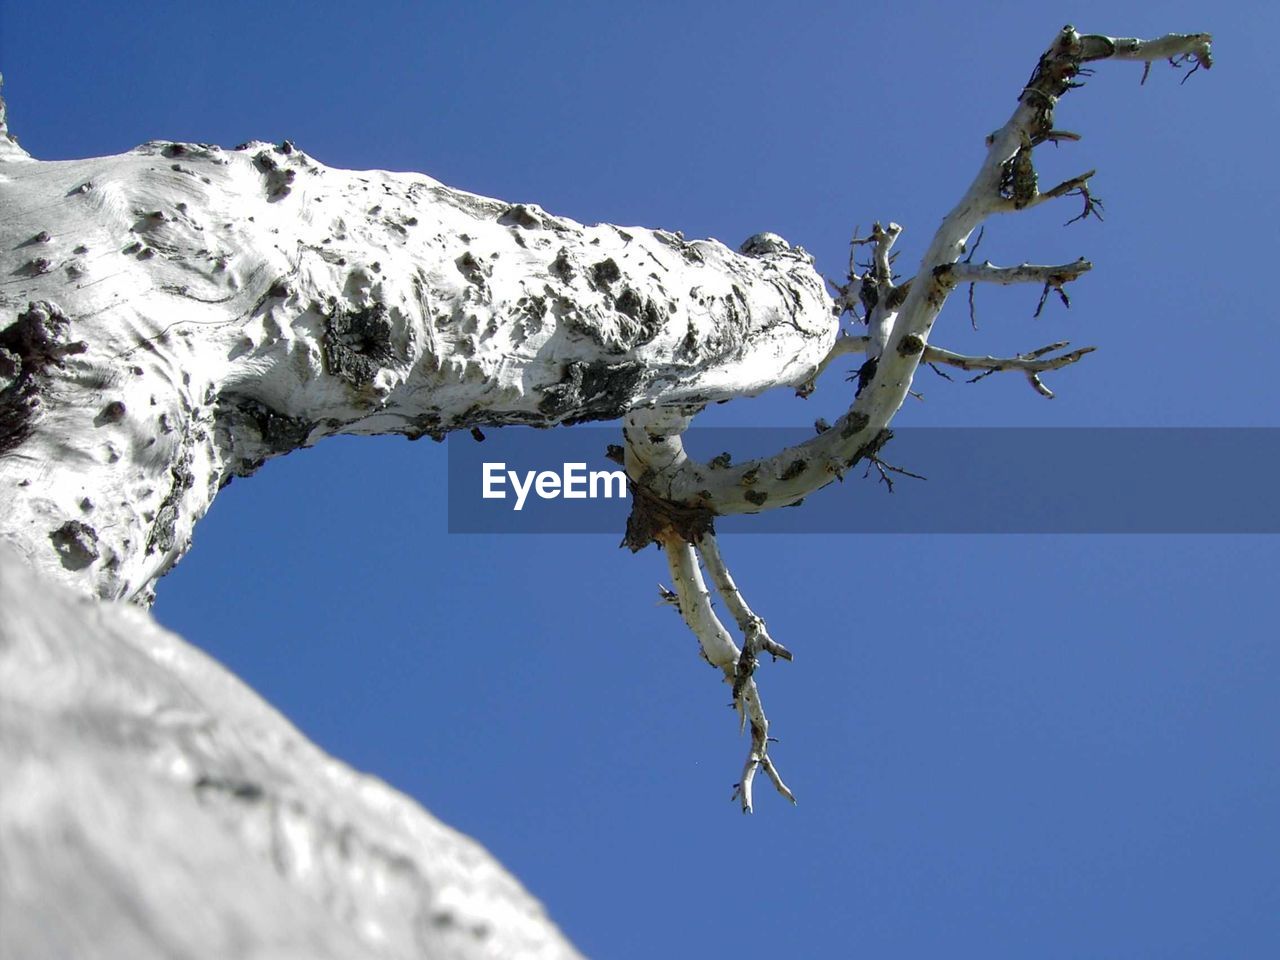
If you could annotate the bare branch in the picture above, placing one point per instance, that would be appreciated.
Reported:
(885, 469)
(694, 604)
(986, 272)
(1032, 364)
(753, 629)
(718, 648)
(1053, 277)
(883, 238)
(900, 319)
(1075, 186)
(1176, 47)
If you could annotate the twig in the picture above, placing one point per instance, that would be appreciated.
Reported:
(887, 468)
(720, 651)
(1032, 363)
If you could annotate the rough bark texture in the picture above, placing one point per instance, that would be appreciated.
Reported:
(172, 317)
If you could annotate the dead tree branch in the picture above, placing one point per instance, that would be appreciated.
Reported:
(900, 318)
(1032, 364)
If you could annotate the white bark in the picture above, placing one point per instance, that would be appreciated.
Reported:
(153, 806)
(206, 309)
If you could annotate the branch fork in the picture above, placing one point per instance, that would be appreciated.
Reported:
(899, 317)
(693, 602)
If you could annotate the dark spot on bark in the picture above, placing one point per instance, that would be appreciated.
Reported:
(561, 266)
(472, 269)
(533, 312)
(593, 391)
(721, 461)
(854, 423)
(604, 273)
(477, 435)
(76, 544)
(757, 497)
(278, 432)
(910, 345)
(30, 347)
(688, 349)
(764, 245)
(897, 296)
(35, 268)
(164, 530)
(113, 412)
(750, 476)
(278, 178)
(794, 469)
(426, 425)
(244, 790)
(357, 343)
(642, 310)
(521, 215)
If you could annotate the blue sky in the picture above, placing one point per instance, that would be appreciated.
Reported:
(1003, 746)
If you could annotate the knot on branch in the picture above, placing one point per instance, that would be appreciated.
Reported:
(654, 519)
(1057, 69)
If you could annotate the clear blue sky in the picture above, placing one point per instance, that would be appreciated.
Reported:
(1006, 746)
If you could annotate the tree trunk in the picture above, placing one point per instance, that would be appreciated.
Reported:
(153, 806)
